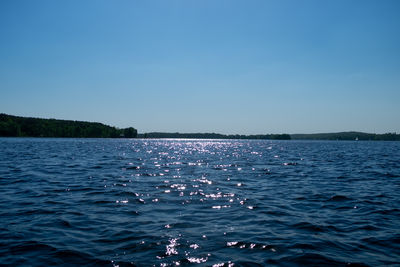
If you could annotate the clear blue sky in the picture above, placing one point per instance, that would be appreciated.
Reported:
(230, 66)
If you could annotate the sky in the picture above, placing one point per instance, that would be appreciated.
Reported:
(224, 66)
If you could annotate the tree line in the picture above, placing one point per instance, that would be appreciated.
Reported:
(214, 136)
(348, 136)
(14, 126)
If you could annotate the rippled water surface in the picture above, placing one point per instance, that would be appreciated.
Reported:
(199, 202)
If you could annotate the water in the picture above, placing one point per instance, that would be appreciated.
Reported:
(199, 202)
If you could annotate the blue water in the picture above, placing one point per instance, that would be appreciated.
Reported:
(118, 202)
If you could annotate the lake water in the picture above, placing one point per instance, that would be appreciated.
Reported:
(199, 202)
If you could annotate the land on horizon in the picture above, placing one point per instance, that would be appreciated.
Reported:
(16, 126)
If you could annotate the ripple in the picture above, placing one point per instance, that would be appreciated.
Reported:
(339, 198)
(118, 202)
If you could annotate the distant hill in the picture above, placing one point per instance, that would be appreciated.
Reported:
(213, 136)
(348, 136)
(34, 127)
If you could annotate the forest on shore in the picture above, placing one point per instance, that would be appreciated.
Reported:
(14, 126)
(345, 136)
(348, 136)
(214, 136)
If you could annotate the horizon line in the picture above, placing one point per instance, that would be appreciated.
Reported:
(211, 132)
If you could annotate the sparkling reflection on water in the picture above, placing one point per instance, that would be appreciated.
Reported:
(202, 202)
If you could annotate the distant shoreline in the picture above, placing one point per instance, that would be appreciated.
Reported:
(214, 136)
(345, 136)
(205, 139)
(15, 126)
(348, 136)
